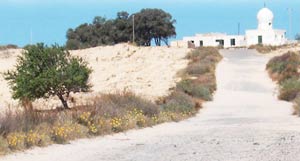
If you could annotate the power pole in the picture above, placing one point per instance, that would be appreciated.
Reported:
(290, 12)
(133, 30)
(30, 36)
(239, 28)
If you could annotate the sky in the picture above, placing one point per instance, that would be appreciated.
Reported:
(25, 21)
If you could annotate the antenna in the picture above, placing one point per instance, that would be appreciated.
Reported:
(30, 36)
(265, 5)
(239, 27)
(290, 12)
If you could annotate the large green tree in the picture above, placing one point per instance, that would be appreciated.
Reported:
(154, 24)
(151, 25)
(43, 71)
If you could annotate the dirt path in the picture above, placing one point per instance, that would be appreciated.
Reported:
(245, 122)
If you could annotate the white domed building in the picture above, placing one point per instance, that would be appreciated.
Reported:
(264, 34)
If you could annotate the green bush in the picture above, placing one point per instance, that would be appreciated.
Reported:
(185, 86)
(289, 89)
(202, 53)
(44, 71)
(194, 89)
(198, 69)
(284, 66)
(119, 103)
(179, 102)
(297, 105)
(202, 92)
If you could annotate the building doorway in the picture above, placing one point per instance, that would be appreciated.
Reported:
(221, 42)
(232, 42)
(260, 40)
(201, 43)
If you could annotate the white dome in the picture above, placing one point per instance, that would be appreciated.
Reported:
(265, 19)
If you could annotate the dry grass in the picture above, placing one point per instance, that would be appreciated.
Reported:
(263, 49)
(285, 70)
(112, 113)
(202, 66)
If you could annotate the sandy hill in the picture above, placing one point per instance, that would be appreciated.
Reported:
(147, 71)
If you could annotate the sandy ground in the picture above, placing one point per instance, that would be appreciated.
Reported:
(245, 122)
(147, 71)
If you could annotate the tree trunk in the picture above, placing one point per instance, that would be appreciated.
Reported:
(63, 101)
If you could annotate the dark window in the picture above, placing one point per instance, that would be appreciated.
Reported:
(232, 42)
(201, 43)
(193, 41)
(221, 42)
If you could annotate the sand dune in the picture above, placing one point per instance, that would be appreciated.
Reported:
(147, 71)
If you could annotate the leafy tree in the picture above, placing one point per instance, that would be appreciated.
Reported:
(44, 71)
(150, 25)
(154, 24)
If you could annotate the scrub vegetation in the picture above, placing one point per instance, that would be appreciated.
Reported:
(264, 49)
(111, 113)
(285, 70)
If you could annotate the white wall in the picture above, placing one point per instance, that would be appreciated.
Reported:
(269, 37)
(210, 40)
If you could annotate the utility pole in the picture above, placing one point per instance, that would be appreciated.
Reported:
(290, 12)
(239, 28)
(133, 30)
(30, 36)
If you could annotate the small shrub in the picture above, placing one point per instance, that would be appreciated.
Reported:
(179, 102)
(62, 133)
(264, 49)
(118, 104)
(284, 66)
(185, 86)
(198, 69)
(16, 141)
(33, 138)
(116, 124)
(195, 90)
(202, 92)
(297, 105)
(289, 89)
(202, 53)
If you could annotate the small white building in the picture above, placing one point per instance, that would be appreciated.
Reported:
(216, 39)
(264, 34)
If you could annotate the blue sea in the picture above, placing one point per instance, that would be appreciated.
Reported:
(23, 21)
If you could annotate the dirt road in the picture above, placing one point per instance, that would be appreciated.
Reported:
(245, 122)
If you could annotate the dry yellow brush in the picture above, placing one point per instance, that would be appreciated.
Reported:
(18, 141)
(85, 126)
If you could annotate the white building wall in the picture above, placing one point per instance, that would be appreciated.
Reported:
(265, 30)
(269, 37)
(211, 40)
